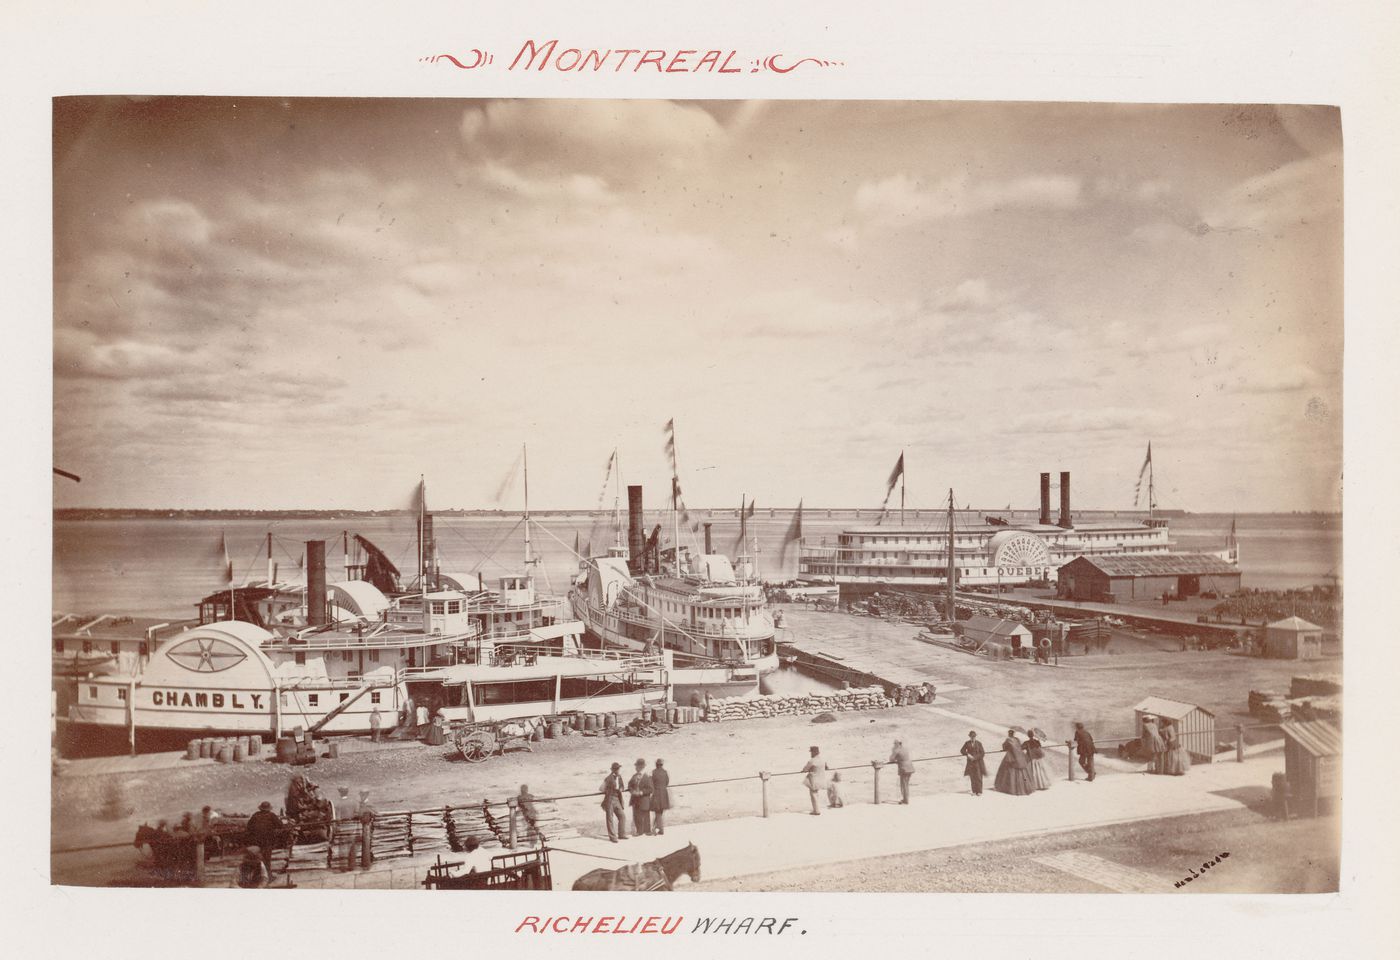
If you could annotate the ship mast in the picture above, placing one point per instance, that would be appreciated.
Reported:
(1151, 496)
(676, 521)
(952, 566)
(617, 500)
(525, 460)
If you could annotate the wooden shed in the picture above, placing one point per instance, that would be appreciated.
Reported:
(1196, 725)
(1293, 638)
(1312, 753)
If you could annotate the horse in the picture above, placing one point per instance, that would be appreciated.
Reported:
(659, 874)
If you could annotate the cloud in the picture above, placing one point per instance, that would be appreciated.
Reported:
(1295, 193)
(80, 354)
(904, 199)
(1280, 378)
(617, 141)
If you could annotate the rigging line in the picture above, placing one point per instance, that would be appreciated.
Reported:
(489, 553)
(550, 534)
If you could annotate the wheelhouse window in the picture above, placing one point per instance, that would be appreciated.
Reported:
(313, 699)
(121, 693)
(374, 697)
(300, 657)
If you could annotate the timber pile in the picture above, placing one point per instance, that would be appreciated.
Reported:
(459, 823)
(1322, 685)
(1277, 708)
(777, 705)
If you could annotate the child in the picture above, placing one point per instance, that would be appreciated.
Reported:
(833, 792)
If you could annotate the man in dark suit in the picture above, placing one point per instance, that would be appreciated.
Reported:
(1084, 746)
(660, 797)
(976, 766)
(900, 757)
(639, 787)
(613, 814)
(264, 830)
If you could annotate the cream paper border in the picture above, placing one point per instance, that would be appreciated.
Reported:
(1195, 51)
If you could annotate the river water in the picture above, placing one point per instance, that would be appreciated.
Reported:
(161, 567)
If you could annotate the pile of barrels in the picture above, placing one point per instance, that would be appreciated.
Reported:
(224, 749)
(606, 724)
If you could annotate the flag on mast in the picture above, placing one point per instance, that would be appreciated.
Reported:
(895, 476)
(794, 531)
(1142, 473)
(227, 563)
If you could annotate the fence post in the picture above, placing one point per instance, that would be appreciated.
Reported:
(199, 860)
(1069, 755)
(366, 841)
(1239, 743)
(410, 833)
(763, 776)
(876, 765)
(511, 805)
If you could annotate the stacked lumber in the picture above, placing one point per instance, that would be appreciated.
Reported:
(1316, 708)
(1319, 685)
(1268, 705)
(462, 822)
(789, 705)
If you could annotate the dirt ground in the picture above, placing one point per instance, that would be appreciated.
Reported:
(92, 809)
(1266, 856)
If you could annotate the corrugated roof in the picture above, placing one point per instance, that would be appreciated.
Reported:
(1160, 565)
(993, 627)
(1321, 738)
(1296, 624)
(1171, 709)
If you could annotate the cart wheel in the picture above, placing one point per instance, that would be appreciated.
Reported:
(474, 751)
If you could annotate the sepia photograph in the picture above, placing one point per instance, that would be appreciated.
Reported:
(712, 496)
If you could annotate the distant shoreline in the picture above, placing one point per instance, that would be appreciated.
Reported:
(122, 513)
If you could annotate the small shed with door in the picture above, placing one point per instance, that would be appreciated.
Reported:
(995, 630)
(1293, 638)
(1195, 725)
(1312, 754)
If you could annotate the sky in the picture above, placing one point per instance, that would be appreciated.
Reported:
(283, 303)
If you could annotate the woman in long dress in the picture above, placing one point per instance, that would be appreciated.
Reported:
(1012, 777)
(1178, 760)
(1038, 767)
(1152, 743)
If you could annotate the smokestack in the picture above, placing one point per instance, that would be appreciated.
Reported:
(1065, 520)
(636, 539)
(708, 548)
(1045, 499)
(315, 582)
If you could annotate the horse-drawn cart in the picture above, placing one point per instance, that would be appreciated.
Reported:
(478, 741)
(511, 871)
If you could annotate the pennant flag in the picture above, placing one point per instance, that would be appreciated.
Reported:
(508, 480)
(576, 553)
(588, 549)
(750, 508)
(670, 430)
(1146, 465)
(895, 474)
(607, 475)
(418, 499)
(794, 531)
(228, 564)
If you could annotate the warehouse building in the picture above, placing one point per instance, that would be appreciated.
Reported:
(1126, 578)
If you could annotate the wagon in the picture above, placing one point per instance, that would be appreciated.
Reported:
(477, 741)
(511, 871)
